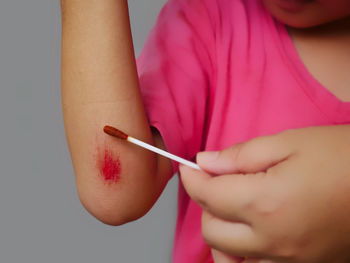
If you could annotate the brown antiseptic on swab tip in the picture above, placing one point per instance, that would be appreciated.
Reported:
(121, 135)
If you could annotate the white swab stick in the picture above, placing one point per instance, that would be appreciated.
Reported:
(163, 153)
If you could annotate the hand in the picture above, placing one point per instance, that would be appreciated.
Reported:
(280, 198)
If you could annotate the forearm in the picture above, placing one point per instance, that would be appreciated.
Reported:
(99, 87)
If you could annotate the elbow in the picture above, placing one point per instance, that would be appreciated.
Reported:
(113, 213)
(113, 217)
(116, 210)
(121, 201)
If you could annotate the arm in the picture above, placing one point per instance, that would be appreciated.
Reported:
(99, 87)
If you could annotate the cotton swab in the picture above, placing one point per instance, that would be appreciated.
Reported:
(121, 135)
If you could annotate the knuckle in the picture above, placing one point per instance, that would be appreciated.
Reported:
(248, 203)
(236, 155)
(267, 207)
(202, 202)
(207, 233)
(249, 200)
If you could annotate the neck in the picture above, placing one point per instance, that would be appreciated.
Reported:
(325, 52)
(336, 30)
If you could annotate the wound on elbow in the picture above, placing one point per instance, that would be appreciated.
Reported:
(109, 166)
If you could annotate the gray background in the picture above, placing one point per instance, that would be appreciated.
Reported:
(41, 218)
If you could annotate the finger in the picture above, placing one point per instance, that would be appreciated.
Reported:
(230, 197)
(220, 257)
(253, 156)
(231, 238)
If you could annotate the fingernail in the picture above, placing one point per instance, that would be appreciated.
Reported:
(205, 157)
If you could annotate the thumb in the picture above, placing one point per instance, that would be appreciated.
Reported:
(256, 155)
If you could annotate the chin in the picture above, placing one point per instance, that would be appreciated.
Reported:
(300, 23)
(305, 13)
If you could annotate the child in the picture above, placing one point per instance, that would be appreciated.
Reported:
(215, 73)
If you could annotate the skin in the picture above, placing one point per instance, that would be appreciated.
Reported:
(280, 210)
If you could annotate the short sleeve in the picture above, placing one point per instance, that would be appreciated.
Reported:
(175, 71)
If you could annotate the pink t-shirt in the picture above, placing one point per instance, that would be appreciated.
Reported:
(217, 72)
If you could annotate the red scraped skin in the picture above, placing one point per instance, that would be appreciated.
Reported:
(109, 166)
